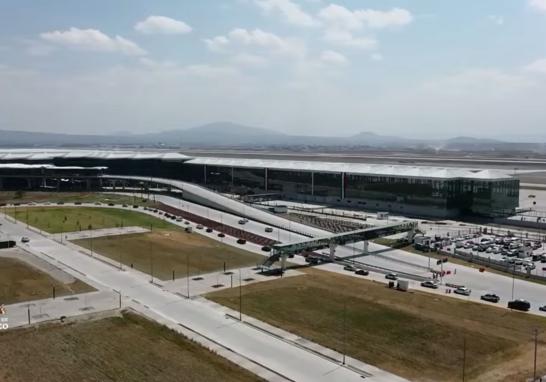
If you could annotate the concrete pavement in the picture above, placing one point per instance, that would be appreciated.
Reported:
(271, 353)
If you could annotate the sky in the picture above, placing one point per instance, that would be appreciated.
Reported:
(420, 68)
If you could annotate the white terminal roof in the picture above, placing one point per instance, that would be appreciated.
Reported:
(404, 171)
(50, 154)
(24, 166)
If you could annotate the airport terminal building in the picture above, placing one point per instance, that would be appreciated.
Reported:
(400, 189)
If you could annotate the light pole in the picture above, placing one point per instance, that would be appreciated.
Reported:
(188, 274)
(513, 279)
(464, 357)
(240, 297)
(91, 241)
(535, 361)
(344, 330)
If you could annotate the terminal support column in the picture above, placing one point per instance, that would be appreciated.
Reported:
(365, 247)
(283, 263)
(342, 185)
(266, 175)
(332, 251)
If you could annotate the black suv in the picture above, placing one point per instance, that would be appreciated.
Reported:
(523, 305)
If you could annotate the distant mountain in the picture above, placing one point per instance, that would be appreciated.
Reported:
(218, 133)
(228, 134)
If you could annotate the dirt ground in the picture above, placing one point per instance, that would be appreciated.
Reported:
(163, 251)
(413, 334)
(128, 348)
(22, 282)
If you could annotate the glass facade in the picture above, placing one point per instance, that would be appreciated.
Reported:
(416, 191)
(485, 197)
(248, 180)
(493, 197)
(328, 184)
(289, 182)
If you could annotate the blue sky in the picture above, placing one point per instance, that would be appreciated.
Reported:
(412, 68)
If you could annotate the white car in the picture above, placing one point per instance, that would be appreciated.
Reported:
(463, 291)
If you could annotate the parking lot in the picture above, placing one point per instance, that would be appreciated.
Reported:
(516, 253)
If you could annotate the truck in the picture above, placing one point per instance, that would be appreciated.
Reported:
(403, 285)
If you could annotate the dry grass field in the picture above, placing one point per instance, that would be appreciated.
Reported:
(22, 282)
(163, 251)
(11, 197)
(413, 334)
(128, 349)
(71, 219)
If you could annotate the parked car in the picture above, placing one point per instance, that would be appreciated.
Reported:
(25, 239)
(268, 229)
(199, 226)
(362, 272)
(265, 248)
(221, 234)
(391, 276)
(429, 284)
(209, 230)
(519, 304)
(349, 268)
(463, 291)
(241, 241)
(542, 308)
(491, 297)
(243, 221)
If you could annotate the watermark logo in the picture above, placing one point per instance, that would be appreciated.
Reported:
(3, 318)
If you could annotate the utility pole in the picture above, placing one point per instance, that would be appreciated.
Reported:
(240, 297)
(464, 357)
(188, 274)
(344, 331)
(513, 280)
(535, 361)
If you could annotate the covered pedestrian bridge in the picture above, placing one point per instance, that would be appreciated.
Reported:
(282, 251)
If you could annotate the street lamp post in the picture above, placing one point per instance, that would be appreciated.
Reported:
(240, 297)
(535, 361)
(188, 274)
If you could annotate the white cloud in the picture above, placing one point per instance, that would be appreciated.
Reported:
(346, 38)
(93, 40)
(217, 44)
(37, 48)
(256, 39)
(333, 58)
(249, 60)
(538, 5)
(377, 57)
(338, 17)
(162, 25)
(499, 20)
(341, 24)
(290, 11)
(396, 17)
(538, 66)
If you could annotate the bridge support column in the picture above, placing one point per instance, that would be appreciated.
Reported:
(283, 263)
(365, 246)
(1, 183)
(332, 251)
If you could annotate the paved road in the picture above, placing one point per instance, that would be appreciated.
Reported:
(285, 358)
(401, 261)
